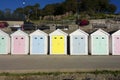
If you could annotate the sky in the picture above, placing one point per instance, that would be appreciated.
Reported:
(13, 4)
(117, 3)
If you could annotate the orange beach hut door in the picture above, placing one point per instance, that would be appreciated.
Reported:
(58, 44)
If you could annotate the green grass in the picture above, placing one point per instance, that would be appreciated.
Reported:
(59, 73)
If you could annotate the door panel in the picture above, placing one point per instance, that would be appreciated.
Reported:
(58, 43)
(3, 44)
(35, 44)
(81, 44)
(100, 44)
(54, 44)
(41, 44)
(95, 45)
(38, 44)
(117, 44)
(19, 44)
(103, 44)
(75, 44)
(78, 44)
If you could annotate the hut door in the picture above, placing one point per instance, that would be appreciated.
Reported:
(41, 44)
(38, 44)
(82, 44)
(103, 44)
(58, 44)
(2, 44)
(19, 44)
(117, 44)
(96, 44)
(78, 44)
(75, 44)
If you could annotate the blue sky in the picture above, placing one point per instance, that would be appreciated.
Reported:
(13, 4)
(117, 3)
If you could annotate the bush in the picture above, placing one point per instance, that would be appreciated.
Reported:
(3, 24)
(82, 22)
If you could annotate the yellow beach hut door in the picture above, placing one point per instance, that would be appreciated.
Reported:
(58, 44)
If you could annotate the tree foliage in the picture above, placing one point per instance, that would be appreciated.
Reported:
(89, 7)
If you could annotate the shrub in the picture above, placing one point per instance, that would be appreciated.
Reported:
(3, 24)
(82, 22)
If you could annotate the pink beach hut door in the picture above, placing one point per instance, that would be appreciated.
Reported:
(19, 44)
(117, 44)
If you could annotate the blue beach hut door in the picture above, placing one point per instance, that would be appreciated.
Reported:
(38, 44)
(78, 44)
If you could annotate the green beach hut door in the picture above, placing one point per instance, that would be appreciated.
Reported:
(2, 44)
(95, 44)
(99, 44)
(103, 44)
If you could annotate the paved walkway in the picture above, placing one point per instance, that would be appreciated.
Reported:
(18, 63)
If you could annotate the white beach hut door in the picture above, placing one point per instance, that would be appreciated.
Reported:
(38, 44)
(19, 44)
(78, 44)
(2, 44)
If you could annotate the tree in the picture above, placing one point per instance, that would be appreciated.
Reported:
(7, 13)
(86, 7)
(111, 8)
(70, 5)
(48, 10)
(97, 6)
(19, 13)
(29, 12)
(1, 14)
(59, 9)
(36, 11)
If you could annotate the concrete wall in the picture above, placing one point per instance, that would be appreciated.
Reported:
(101, 21)
(11, 23)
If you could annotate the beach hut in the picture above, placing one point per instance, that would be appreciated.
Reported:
(4, 43)
(38, 42)
(58, 42)
(19, 42)
(79, 43)
(116, 43)
(99, 42)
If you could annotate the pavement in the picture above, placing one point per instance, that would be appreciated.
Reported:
(40, 63)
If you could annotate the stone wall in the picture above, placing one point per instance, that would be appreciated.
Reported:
(11, 23)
